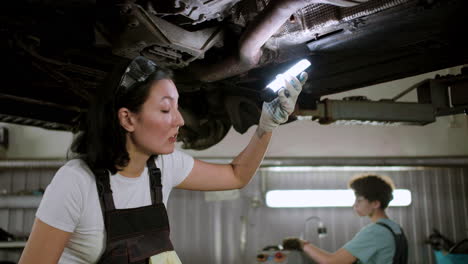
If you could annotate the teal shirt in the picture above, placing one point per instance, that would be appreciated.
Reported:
(374, 243)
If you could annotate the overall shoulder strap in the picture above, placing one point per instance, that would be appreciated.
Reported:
(401, 245)
(104, 189)
(403, 242)
(386, 226)
(155, 180)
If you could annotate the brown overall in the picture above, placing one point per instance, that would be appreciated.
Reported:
(134, 235)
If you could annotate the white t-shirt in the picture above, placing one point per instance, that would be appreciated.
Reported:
(71, 202)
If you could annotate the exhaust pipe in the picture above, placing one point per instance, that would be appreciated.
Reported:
(256, 35)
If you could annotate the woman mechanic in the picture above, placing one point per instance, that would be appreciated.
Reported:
(108, 204)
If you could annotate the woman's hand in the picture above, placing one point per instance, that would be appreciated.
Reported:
(277, 111)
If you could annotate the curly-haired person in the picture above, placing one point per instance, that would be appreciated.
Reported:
(381, 242)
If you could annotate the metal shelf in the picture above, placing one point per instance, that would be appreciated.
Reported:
(12, 244)
(20, 201)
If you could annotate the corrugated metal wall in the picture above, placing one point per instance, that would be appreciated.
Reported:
(232, 231)
(440, 200)
(19, 221)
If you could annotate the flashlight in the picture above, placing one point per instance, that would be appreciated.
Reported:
(274, 87)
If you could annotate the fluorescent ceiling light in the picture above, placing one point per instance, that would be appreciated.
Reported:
(340, 168)
(325, 198)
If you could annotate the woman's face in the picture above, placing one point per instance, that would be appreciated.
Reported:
(364, 207)
(157, 124)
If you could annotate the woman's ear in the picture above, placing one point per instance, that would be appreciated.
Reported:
(125, 119)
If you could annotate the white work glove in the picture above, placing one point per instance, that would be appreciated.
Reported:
(277, 111)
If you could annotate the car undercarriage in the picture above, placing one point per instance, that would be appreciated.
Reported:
(56, 54)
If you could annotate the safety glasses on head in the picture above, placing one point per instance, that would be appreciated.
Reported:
(137, 72)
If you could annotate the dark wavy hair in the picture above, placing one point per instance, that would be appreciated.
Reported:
(101, 140)
(373, 188)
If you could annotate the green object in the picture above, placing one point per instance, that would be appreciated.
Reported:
(442, 258)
